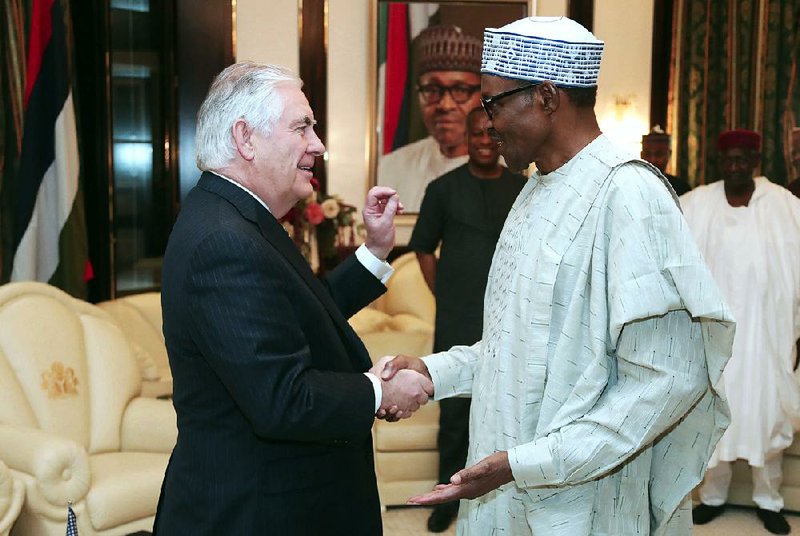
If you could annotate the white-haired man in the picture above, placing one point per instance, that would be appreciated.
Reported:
(593, 406)
(274, 411)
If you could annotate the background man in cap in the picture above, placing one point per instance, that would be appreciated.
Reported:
(749, 232)
(448, 87)
(657, 150)
(464, 211)
(593, 410)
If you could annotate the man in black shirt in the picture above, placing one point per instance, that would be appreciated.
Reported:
(463, 210)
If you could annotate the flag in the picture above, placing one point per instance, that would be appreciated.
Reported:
(396, 95)
(72, 522)
(45, 232)
(399, 117)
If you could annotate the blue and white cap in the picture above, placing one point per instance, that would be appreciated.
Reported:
(543, 48)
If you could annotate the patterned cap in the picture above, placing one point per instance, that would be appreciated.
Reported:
(739, 139)
(543, 48)
(447, 48)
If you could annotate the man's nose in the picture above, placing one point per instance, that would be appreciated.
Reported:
(738, 167)
(316, 147)
(446, 102)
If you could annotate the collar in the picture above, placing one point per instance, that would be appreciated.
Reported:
(221, 176)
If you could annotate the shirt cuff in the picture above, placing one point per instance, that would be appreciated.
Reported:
(532, 464)
(380, 269)
(376, 386)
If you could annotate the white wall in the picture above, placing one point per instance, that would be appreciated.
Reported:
(268, 31)
(551, 8)
(626, 26)
(348, 99)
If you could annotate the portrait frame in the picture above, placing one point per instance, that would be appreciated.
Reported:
(472, 16)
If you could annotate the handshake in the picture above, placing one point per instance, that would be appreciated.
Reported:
(406, 385)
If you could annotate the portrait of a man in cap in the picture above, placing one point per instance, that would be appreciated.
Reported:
(446, 89)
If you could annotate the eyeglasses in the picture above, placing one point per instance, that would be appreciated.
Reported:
(488, 103)
(460, 93)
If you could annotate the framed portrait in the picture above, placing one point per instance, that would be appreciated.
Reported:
(426, 79)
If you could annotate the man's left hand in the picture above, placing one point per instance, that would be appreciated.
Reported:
(488, 474)
(379, 211)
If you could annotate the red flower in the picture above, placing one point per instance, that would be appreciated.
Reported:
(314, 214)
(315, 184)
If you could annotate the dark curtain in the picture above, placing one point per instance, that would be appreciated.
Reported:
(734, 65)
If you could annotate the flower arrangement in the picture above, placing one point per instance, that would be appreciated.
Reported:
(328, 219)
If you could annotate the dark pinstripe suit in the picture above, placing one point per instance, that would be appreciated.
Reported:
(273, 418)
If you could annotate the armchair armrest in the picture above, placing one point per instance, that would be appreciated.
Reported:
(59, 465)
(11, 497)
(149, 425)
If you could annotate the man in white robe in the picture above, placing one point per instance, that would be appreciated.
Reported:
(749, 232)
(594, 410)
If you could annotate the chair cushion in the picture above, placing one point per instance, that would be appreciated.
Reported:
(409, 324)
(383, 343)
(407, 292)
(139, 318)
(368, 320)
(125, 487)
(417, 433)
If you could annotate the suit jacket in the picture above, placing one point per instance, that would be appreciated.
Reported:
(274, 418)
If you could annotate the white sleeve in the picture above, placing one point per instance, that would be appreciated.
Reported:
(452, 371)
(380, 269)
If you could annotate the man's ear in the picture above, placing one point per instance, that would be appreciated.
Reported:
(243, 139)
(551, 97)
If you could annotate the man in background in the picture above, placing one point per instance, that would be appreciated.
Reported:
(657, 149)
(448, 87)
(463, 211)
(271, 385)
(594, 409)
(749, 232)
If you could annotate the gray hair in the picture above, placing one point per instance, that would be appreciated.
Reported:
(245, 90)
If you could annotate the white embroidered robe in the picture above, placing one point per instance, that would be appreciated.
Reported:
(603, 335)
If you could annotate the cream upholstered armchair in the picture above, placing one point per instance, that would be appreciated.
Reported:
(407, 306)
(11, 496)
(139, 318)
(401, 322)
(72, 424)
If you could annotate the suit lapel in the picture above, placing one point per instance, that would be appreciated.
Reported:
(274, 232)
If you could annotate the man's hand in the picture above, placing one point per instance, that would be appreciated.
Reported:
(390, 366)
(404, 394)
(379, 211)
(386, 368)
(488, 474)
